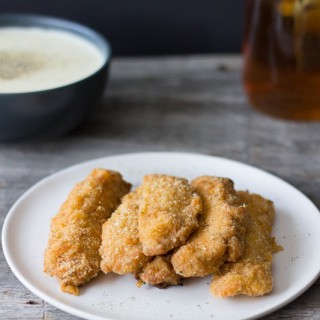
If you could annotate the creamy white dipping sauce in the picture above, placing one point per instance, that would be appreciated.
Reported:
(34, 59)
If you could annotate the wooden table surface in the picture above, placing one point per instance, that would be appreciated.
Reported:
(192, 104)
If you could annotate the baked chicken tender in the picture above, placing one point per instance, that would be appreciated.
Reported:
(121, 250)
(160, 273)
(167, 213)
(220, 236)
(72, 254)
(252, 274)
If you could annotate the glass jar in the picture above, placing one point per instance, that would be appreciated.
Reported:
(282, 57)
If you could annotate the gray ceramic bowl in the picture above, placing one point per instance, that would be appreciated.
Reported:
(51, 113)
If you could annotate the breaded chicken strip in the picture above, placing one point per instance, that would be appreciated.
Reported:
(160, 273)
(121, 250)
(72, 254)
(252, 274)
(167, 214)
(220, 236)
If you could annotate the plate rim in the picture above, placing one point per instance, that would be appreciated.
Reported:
(84, 314)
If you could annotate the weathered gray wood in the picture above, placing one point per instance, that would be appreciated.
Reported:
(191, 104)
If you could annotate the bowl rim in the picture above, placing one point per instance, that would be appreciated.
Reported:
(57, 23)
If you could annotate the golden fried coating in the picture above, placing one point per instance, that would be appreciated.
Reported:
(72, 254)
(167, 214)
(160, 273)
(252, 274)
(121, 250)
(220, 236)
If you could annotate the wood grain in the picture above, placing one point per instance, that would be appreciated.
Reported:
(193, 104)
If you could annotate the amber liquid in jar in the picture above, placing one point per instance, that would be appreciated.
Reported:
(282, 57)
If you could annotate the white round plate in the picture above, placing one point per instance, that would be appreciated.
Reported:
(297, 225)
